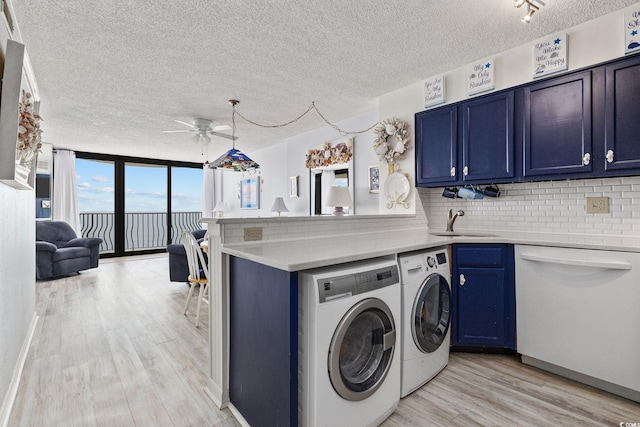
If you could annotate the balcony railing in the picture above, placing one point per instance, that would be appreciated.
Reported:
(143, 230)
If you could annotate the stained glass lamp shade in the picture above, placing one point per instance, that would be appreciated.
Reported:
(235, 160)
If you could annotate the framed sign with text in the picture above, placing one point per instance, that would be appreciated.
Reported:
(550, 55)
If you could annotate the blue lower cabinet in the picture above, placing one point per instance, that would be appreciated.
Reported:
(263, 343)
(483, 293)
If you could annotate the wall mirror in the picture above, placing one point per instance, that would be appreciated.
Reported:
(330, 165)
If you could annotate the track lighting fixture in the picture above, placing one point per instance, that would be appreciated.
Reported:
(531, 9)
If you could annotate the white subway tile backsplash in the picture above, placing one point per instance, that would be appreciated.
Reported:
(558, 206)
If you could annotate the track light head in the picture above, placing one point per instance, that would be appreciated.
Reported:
(527, 18)
(531, 9)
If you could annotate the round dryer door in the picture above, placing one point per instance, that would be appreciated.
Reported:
(431, 313)
(362, 349)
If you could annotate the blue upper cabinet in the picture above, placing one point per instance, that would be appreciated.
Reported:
(487, 143)
(622, 130)
(436, 146)
(557, 127)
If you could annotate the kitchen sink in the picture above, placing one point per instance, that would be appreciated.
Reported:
(461, 234)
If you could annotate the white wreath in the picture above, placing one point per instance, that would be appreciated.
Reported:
(394, 149)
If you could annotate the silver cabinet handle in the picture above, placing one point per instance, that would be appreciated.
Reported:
(465, 171)
(610, 156)
(586, 159)
(462, 280)
(453, 171)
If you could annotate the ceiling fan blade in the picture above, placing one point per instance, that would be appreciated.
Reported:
(223, 135)
(220, 127)
(186, 124)
(177, 131)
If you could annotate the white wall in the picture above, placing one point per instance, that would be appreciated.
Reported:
(281, 161)
(17, 268)
(17, 276)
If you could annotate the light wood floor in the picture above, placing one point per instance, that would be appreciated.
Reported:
(112, 348)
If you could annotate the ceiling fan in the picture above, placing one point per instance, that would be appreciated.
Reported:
(202, 129)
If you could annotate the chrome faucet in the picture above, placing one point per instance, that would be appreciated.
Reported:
(452, 218)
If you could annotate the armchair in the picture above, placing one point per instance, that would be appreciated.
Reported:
(59, 251)
(178, 265)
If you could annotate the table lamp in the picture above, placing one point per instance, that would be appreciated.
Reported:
(219, 209)
(279, 206)
(338, 198)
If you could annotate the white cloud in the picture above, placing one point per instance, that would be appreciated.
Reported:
(99, 178)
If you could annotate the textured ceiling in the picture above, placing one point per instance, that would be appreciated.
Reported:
(113, 74)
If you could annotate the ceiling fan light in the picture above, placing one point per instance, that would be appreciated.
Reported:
(519, 3)
(201, 138)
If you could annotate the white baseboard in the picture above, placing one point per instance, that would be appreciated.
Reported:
(238, 416)
(10, 397)
(219, 397)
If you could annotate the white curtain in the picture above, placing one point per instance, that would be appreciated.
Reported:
(65, 195)
(209, 192)
(328, 181)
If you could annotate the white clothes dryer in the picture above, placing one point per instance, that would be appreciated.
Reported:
(426, 316)
(348, 340)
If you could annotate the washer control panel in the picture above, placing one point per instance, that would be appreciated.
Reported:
(357, 283)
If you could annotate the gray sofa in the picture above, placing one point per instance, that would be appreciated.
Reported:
(178, 266)
(59, 251)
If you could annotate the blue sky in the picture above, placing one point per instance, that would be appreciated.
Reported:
(145, 187)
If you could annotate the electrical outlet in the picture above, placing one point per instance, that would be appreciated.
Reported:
(598, 205)
(252, 233)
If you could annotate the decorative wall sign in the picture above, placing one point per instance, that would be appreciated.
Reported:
(481, 77)
(550, 56)
(293, 186)
(434, 91)
(632, 31)
(374, 179)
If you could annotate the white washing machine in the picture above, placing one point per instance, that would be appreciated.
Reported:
(426, 316)
(348, 341)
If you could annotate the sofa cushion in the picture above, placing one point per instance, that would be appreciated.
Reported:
(71, 252)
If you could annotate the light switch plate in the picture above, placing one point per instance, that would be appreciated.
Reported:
(598, 205)
(252, 233)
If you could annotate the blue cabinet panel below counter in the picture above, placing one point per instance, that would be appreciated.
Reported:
(263, 343)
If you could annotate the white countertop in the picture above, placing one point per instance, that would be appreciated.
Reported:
(303, 254)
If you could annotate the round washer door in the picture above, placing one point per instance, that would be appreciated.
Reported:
(431, 313)
(361, 349)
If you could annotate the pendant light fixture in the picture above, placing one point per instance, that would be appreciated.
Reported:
(234, 159)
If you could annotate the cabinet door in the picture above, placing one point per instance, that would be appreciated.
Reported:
(480, 307)
(483, 296)
(622, 135)
(436, 146)
(487, 146)
(557, 126)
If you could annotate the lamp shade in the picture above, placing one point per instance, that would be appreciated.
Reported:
(235, 160)
(339, 197)
(219, 208)
(279, 206)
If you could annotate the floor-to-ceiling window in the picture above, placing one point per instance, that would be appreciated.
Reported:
(145, 206)
(137, 205)
(186, 200)
(95, 182)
